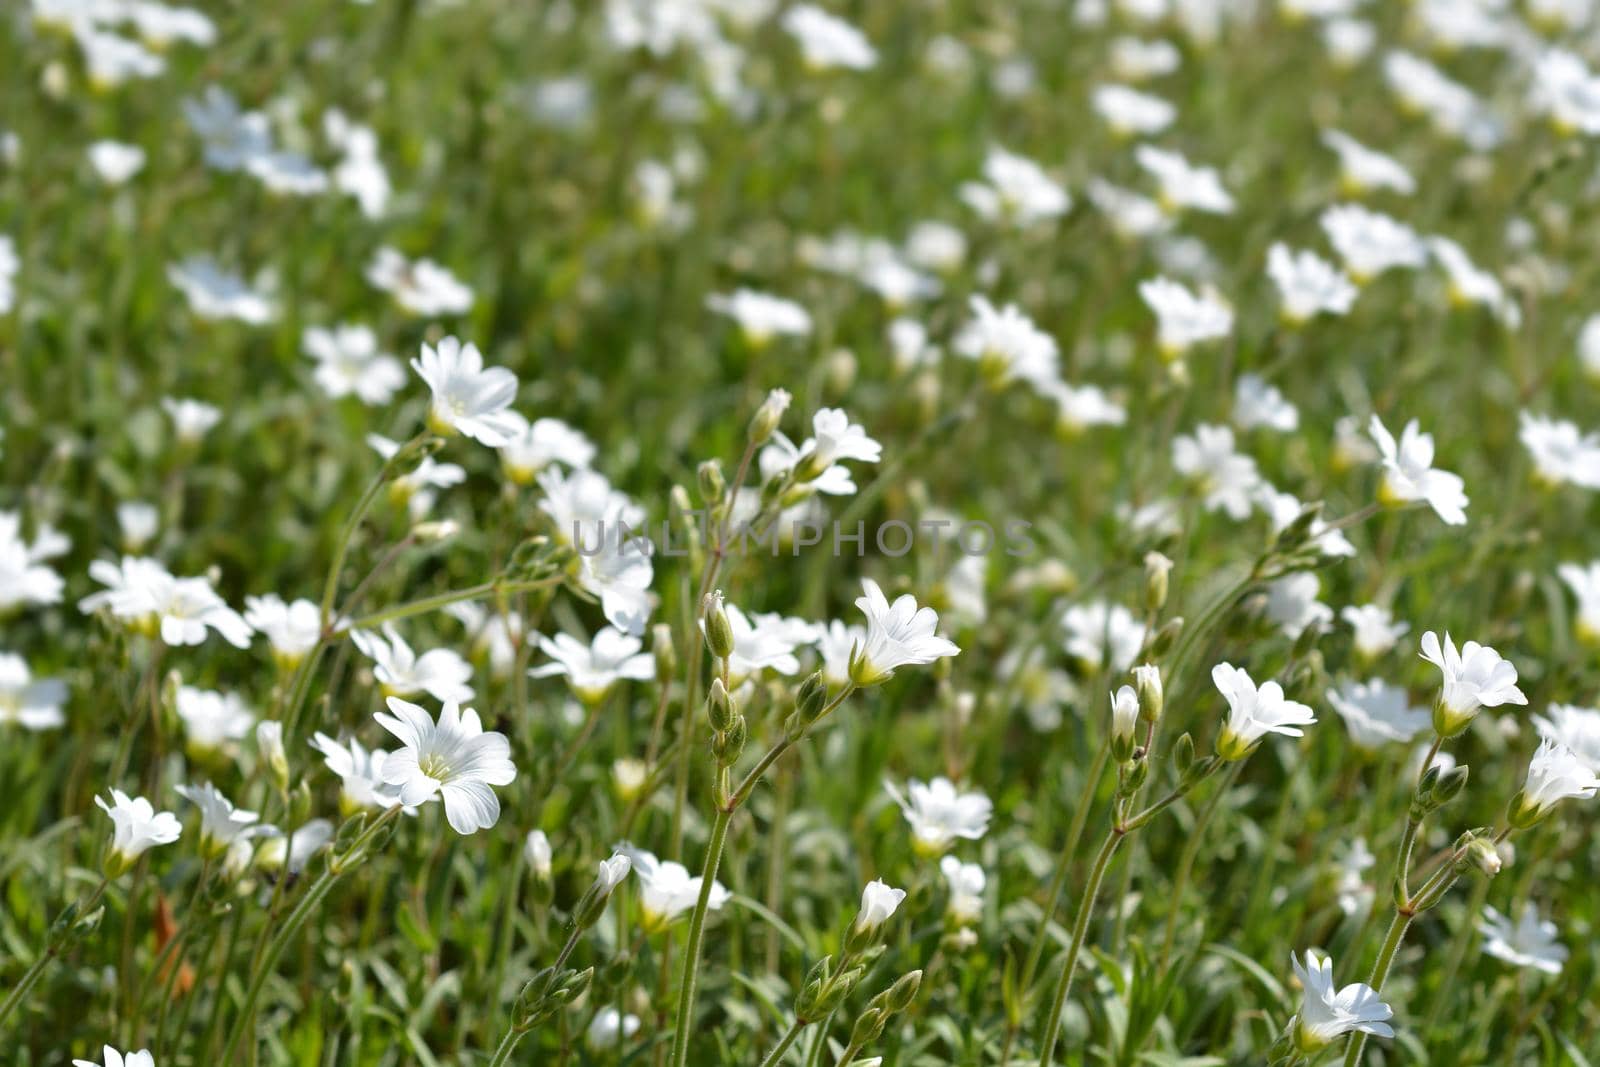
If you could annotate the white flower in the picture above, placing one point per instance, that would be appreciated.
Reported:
(762, 642)
(592, 669)
(1284, 508)
(288, 173)
(835, 642)
(908, 342)
(966, 883)
(1469, 285)
(9, 266)
(415, 488)
(1374, 629)
(608, 1027)
(113, 1058)
(668, 889)
(936, 246)
(292, 852)
(215, 293)
(349, 363)
(1377, 713)
(360, 172)
(360, 772)
(453, 758)
(1292, 603)
(612, 872)
(939, 813)
(1577, 728)
(467, 397)
(1451, 106)
(191, 419)
(1183, 185)
(1184, 318)
(221, 824)
(1015, 189)
(898, 635)
(1362, 169)
(184, 609)
(1585, 585)
(231, 137)
(1130, 214)
(1567, 91)
(293, 629)
(1348, 40)
(24, 579)
(211, 719)
(534, 446)
(1408, 473)
(1562, 454)
(493, 635)
(827, 41)
(439, 672)
(115, 162)
(1006, 345)
(1254, 712)
(538, 854)
(1100, 632)
(1256, 403)
(112, 60)
(761, 316)
(1327, 1013)
(1351, 861)
(1555, 773)
(1124, 714)
(878, 902)
(1079, 407)
(1227, 479)
(815, 462)
(1308, 284)
(618, 571)
(1370, 243)
(1136, 59)
(1528, 942)
(32, 703)
(422, 287)
(1473, 678)
(138, 522)
(1129, 111)
(138, 827)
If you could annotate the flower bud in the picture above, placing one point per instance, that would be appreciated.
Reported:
(1483, 855)
(712, 484)
(904, 991)
(666, 653)
(719, 706)
(1164, 639)
(1183, 755)
(269, 744)
(719, 631)
(1294, 536)
(811, 698)
(728, 746)
(1147, 684)
(767, 417)
(1156, 569)
(1448, 787)
(1124, 718)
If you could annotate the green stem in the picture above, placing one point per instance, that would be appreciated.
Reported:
(330, 587)
(1191, 849)
(1380, 971)
(775, 1057)
(697, 928)
(1080, 928)
(495, 587)
(508, 1045)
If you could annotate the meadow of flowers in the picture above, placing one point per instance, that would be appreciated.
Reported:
(710, 532)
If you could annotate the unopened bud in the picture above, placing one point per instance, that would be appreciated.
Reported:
(1147, 684)
(712, 484)
(728, 745)
(904, 991)
(1483, 855)
(1448, 787)
(719, 706)
(767, 417)
(1298, 532)
(811, 698)
(1156, 569)
(719, 631)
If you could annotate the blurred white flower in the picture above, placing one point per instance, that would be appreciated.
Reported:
(534, 445)
(1284, 508)
(1469, 285)
(1015, 190)
(32, 703)
(1308, 284)
(1528, 942)
(668, 890)
(1079, 407)
(1585, 585)
(608, 1027)
(360, 773)
(827, 41)
(421, 287)
(24, 578)
(1562, 454)
(221, 824)
(293, 629)
(1370, 242)
(1227, 479)
(1576, 728)
(1101, 632)
(1184, 318)
(592, 669)
(212, 720)
(1555, 773)
(1258, 404)
(1129, 111)
(230, 137)
(1182, 185)
(115, 162)
(1566, 91)
(1377, 713)
(439, 672)
(1006, 345)
(1131, 215)
(350, 363)
(215, 293)
(1291, 603)
(138, 522)
(966, 883)
(940, 814)
(761, 316)
(1363, 170)
(1374, 628)
(1351, 861)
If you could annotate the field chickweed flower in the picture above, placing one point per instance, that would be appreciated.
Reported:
(1473, 678)
(898, 635)
(1015, 189)
(668, 890)
(593, 669)
(1409, 474)
(1555, 773)
(349, 363)
(1254, 711)
(212, 720)
(1006, 345)
(965, 882)
(1183, 185)
(452, 758)
(191, 419)
(1377, 713)
(1227, 479)
(535, 445)
(761, 316)
(940, 814)
(1373, 628)
(216, 293)
(1370, 242)
(467, 397)
(113, 1058)
(138, 827)
(1575, 727)
(1102, 632)
(878, 903)
(422, 287)
(1363, 170)
(1327, 1013)
(1529, 942)
(537, 853)
(1184, 319)
(293, 629)
(1308, 284)
(1585, 585)
(439, 672)
(360, 771)
(1129, 111)
(827, 41)
(221, 824)
(1562, 455)
(32, 703)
